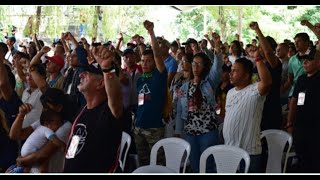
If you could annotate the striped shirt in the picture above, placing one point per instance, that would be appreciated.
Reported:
(243, 117)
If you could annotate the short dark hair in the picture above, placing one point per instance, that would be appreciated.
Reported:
(273, 44)
(49, 115)
(147, 52)
(226, 68)
(41, 69)
(239, 48)
(304, 36)
(247, 65)
(174, 44)
(53, 96)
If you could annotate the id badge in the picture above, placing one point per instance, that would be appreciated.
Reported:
(140, 99)
(73, 147)
(301, 98)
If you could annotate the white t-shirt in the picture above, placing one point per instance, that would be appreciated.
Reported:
(243, 117)
(56, 162)
(36, 140)
(34, 100)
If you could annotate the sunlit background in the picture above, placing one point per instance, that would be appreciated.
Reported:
(105, 22)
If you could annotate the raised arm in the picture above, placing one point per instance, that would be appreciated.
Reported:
(38, 79)
(119, 43)
(311, 27)
(36, 41)
(210, 41)
(105, 57)
(70, 37)
(5, 88)
(155, 46)
(265, 82)
(267, 50)
(20, 72)
(141, 46)
(64, 43)
(16, 131)
(215, 71)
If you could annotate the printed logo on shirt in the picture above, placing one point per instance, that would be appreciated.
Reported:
(81, 132)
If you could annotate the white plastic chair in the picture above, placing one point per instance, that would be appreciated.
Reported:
(227, 158)
(174, 149)
(154, 169)
(277, 140)
(125, 140)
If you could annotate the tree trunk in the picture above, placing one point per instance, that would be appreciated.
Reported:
(240, 22)
(222, 23)
(95, 21)
(38, 19)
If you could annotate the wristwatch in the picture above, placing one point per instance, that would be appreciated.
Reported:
(106, 70)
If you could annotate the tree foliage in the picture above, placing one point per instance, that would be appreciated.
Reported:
(280, 22)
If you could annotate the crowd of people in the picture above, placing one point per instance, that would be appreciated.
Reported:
(65, 113)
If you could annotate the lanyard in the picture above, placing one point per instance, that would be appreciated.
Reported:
(74, 124)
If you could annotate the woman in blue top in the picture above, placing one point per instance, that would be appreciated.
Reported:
(196, 104)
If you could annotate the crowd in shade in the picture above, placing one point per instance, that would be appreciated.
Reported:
(65, 113)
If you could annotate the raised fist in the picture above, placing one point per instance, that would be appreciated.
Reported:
(148, 25)
(254, 25)
(304, 22)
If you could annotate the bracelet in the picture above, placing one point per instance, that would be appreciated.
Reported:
(111, 74)
(106, 70)
(258, 59)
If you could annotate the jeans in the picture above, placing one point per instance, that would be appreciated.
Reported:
(198, 145)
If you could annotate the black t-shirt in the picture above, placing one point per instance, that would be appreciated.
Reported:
(272, 115)
(308, 116)
(100, 137)
(8, 147)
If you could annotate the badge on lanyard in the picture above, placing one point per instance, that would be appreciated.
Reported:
(141, 99)
(301, 98)
(73, 147)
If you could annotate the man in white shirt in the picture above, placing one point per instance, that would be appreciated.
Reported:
(244, 107)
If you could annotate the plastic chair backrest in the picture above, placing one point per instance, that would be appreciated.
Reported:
(276, 140)
(174, 149)
(227, 158)
(125, 140)
(154, 169)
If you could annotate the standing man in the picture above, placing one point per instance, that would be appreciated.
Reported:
(304, 114)
(95, 138)
(12, 51)
(244, 106)
(151, 89)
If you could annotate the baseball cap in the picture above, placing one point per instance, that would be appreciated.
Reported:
(92, 68)
(56, 59)
(131, 44)
(189, 41)
(127, 51)
(12, 38)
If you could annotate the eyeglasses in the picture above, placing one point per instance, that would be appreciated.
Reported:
(199, 64)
